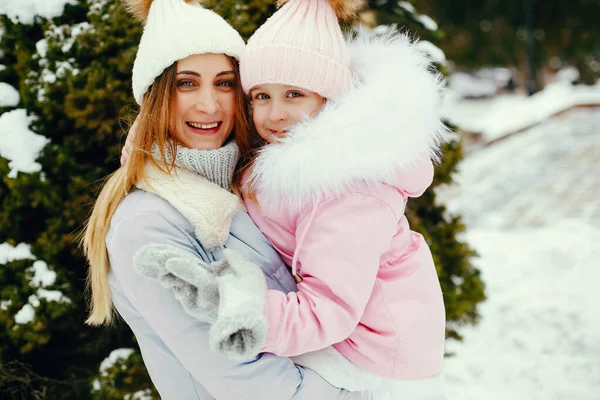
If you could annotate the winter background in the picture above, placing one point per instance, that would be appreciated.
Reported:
(529, 193)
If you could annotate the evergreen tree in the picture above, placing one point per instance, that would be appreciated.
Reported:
(494, 32)
(73, 73)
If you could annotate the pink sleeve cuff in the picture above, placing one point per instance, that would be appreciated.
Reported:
(272, 314)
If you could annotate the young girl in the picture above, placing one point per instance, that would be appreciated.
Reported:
(349, 130)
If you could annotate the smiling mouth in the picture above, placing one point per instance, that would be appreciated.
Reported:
(206, 129)
(278, 133)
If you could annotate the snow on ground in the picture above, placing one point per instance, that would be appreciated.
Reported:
(534, 178)
(539, 335)
(531, 206)
(497, 116)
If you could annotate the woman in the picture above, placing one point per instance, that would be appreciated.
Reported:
(186, 80)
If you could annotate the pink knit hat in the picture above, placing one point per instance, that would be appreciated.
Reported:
(301, 45)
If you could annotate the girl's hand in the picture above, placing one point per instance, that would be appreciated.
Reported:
(126, 151)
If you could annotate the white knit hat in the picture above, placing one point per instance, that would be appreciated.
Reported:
(174, 30)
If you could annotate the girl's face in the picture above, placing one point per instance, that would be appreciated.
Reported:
(276, 108)
(204, 101)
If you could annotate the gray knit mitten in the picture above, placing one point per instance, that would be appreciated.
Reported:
(192, 280)
(230, 293)
(240, 331)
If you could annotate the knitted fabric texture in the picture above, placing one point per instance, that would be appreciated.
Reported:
(217, 165)
(300, 45)
(174, 30)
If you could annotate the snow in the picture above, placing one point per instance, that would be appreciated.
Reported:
(42, 276)
(466, 85)
(66, 35)
(9, 96)
(436, 54)
(52, 296)
(75, 31)
(428, 23)
(25, 315)
(538, 335)
(407, 6)
(8, 253)
(18, 144)
(140, 395)
(42, 47)
(112, 358)
(569, 74)
(501, 115)
(531, 207)
(545, 174)
(34, 300)
(25, 11)
(4, 304)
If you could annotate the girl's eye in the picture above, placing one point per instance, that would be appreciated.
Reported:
(295, 94)
(261, 96)
(225, 83)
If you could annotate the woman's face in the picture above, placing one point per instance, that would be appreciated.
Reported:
(276, 108)
(204, 101)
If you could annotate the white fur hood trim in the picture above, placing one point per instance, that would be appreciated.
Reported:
(207, 206)
(387, 122)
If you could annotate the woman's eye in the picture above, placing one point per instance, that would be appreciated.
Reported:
(261, 96)
(225, 83)
(295, 94)
(185, 83)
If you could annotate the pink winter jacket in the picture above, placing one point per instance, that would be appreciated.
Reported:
(369, 285)
(331, 196)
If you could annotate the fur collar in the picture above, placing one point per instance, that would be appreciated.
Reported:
(207, 206)
(388, 121)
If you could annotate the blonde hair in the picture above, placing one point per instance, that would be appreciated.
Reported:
(155, 119)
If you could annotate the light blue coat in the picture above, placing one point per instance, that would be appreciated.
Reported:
(174, 345)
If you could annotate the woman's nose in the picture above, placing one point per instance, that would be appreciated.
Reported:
(206, 101)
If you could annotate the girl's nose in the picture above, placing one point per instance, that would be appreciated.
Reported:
(277, 113)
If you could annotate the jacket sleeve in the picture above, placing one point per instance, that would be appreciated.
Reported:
(268, 376)
(340, 243)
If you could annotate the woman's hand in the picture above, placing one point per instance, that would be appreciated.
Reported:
(230, 293)
(192, 281)
(126, 151)
(240, 331)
